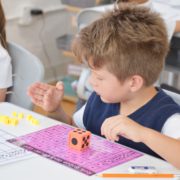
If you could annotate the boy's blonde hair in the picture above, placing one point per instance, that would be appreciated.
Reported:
(128, 40)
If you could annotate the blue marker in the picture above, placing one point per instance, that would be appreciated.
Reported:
(142, 170)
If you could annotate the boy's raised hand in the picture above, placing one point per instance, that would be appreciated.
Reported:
(116, 126)
(46, 96)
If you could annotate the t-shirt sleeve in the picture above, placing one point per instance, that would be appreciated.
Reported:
(78, 117)
(171, 127)
(6, 69)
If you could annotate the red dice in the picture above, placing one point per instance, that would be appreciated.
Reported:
(79, 139)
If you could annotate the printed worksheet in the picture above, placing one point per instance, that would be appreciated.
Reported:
(52, 143)
(9, 152)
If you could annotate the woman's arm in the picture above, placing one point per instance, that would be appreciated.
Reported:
(2, 95)
(177, 28)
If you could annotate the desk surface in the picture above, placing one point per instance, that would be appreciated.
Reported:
(41, 168)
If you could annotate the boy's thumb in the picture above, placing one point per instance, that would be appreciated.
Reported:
(60, 85)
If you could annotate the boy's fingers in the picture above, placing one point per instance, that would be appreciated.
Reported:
(104, 126)
(39, 92)
(113, 129)
(36, 89)
(37, 102)
(115, 135)
(38, 97)
(60, 85)
(102, 129)
(107, 128)
(43, 86)
(49, 95)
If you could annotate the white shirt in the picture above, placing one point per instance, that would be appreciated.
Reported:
(171, 127)
(173, 3)
(167, 12)
(6, 69)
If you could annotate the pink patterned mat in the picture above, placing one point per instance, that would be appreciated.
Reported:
(52, 143)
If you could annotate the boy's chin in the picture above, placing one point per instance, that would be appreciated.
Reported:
(105, 100)
(108, 101)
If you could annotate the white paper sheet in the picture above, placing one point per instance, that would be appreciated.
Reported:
(9, 152)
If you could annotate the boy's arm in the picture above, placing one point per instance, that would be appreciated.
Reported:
(167, 147)
(60, 115)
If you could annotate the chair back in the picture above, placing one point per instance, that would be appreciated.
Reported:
(86, 17)
(27, 69)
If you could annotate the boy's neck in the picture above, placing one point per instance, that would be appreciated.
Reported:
(137, 100)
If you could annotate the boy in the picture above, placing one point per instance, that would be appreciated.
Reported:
(170, 17)
(125, 51)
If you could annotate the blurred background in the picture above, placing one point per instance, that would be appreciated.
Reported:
(46, 28)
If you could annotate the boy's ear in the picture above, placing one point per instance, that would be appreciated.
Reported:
(136, 83)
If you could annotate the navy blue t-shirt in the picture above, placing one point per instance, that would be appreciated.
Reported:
(152, 115)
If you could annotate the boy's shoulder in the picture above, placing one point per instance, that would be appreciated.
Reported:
(167, 96)
(157, 111)
(162, 105)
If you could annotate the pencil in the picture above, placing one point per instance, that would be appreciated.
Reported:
(111, 175)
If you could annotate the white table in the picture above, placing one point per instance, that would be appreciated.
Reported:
(39, 168)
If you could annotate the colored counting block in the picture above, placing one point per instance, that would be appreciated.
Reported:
(16, 117)
(79, 139)
(1, 118)
(29, 117)
(34, 121)
(5, 119)
(14, 121)
(20, 116)
(14, 113)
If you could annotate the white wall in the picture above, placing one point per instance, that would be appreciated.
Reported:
(14, 7)
(40, 33)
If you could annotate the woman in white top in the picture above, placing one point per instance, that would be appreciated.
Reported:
(5, 60)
